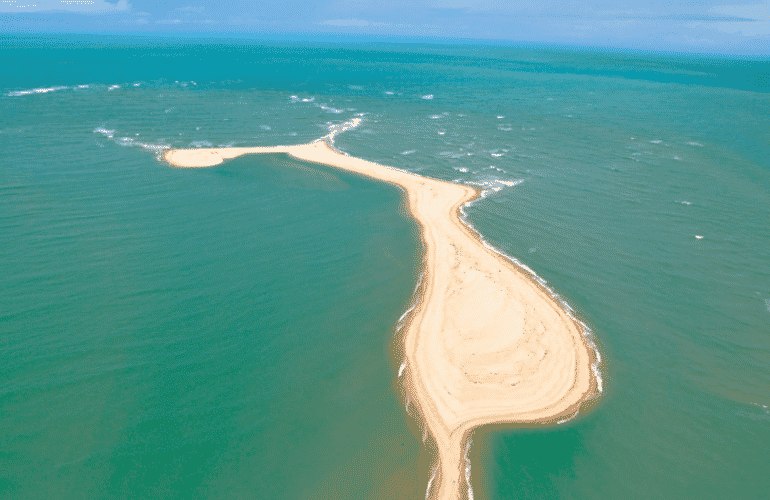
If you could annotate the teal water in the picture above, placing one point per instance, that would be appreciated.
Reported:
(227, 332)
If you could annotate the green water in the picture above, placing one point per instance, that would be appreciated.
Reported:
(227, 332)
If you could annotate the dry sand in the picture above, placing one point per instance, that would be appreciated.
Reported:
(485, 343)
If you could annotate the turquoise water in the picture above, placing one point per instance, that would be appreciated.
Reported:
(227, 332)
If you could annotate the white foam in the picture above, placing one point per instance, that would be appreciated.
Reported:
(496, 155)
(500, 117)
(113, 87)
(401, 369)
(694, 144)
(433, 474)
(685, 202)
(295, 98)
(400, 322)
(656, 141)
(389, 92)
(403, 316)
(427, 97)
(201, 144)
(336, 129)
(461, 169)
(504, 129)
(105, 132)
(40, 90)
(330, 109)
(567, 419)
(490, 186)
(157, 149)
(82, 86)
(468, 468)
(698, 236)
(408, 152)
(265, 127)
(441, 132)
(436, 117)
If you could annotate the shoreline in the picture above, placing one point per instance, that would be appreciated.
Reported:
(485, 340)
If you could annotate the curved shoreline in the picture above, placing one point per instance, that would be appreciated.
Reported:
(485, 342)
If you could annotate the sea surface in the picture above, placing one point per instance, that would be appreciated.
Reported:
(229, 332)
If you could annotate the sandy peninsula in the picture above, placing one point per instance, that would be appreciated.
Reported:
(485, 342)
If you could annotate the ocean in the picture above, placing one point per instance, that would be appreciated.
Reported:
(229, 332)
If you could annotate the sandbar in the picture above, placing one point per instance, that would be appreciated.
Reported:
(485, 343)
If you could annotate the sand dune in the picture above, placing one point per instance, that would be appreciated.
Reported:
(485, 343)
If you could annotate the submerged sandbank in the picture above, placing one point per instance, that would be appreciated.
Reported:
(485, 343)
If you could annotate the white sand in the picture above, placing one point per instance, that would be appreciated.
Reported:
(485, 343)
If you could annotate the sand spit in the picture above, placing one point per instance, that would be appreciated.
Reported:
(485, 343)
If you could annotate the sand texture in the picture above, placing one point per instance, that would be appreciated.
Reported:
(485, 343)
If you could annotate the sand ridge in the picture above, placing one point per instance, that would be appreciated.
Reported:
(485, 343)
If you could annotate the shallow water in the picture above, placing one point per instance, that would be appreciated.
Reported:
(168, 333)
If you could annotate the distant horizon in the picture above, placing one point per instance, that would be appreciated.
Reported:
(386, 39)
(719, 27)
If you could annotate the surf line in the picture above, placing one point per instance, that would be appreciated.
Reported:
(486, 342)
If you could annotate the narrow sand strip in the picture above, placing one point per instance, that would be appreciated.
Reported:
(485, 343)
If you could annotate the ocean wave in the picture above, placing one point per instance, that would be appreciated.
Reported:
(467, 459)
(132, 142)
(491, 186)
(427, 97)
(294, 98)
(433, 474)
(567, 419)
(80, 86)
(694, 144)
(147, 146)
(201, 144)
(336, 129)
(39, 90)
(330, 109)
(400, 322)
(105, 132)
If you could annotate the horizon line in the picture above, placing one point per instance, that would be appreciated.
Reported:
(344, 38)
